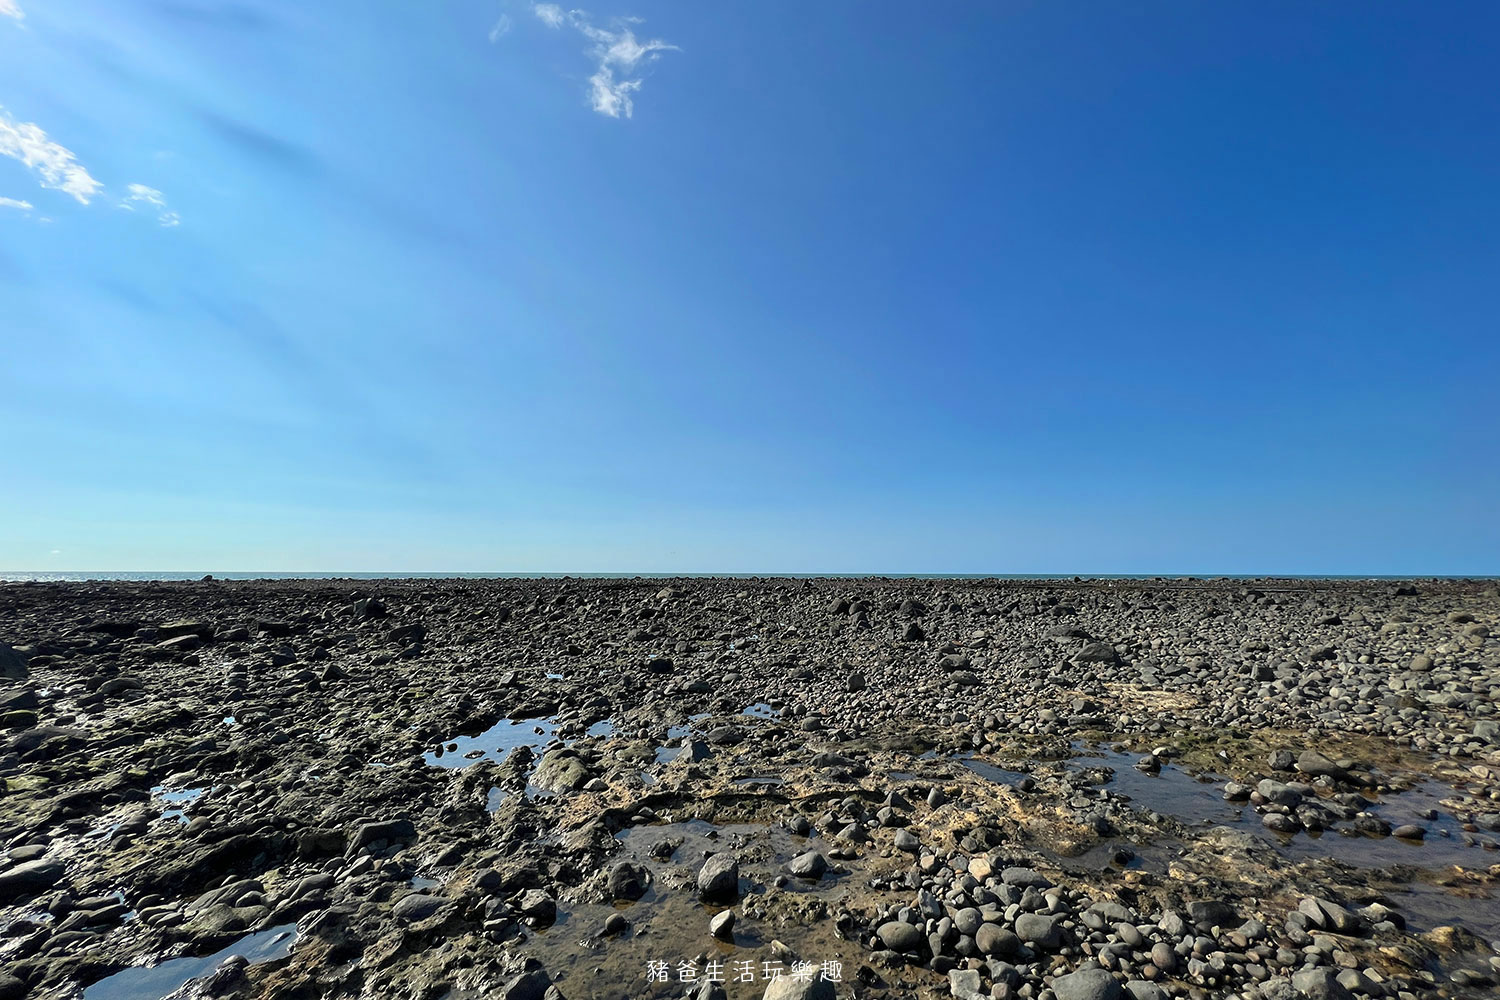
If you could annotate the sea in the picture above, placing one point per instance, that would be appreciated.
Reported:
(50, 576)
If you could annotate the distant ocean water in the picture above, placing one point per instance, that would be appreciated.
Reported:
(46, 576)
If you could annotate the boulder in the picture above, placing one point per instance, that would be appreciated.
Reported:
(23, 881)
(561, 770)
(1095, 652)
(417, 906)
(809, 865)
(628, 881)
(719, 879)
(12, 664)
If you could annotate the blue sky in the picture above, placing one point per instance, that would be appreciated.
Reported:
(860, 287)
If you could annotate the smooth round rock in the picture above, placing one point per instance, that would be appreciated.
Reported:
(898, 935)
(1087, 984)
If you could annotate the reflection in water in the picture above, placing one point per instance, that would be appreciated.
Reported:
(155, 982)
(494, 743)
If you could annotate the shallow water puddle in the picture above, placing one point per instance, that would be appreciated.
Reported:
(1426, 906)
(663, 925)
(670, 924)
(985, 769)
(666, 752)
(1155, 857)
(1190, 798)
(1199, 800)
(180, 798)
(1171, 790)
(155, 982)
(494, 743)
(1444, 844)
(761, 710)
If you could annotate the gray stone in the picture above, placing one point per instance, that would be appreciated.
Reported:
(390, 831)
(536, 904)
(561, 770)
(1313, 763)
(1087, 984)
(898, 935)
(1040, 930)
(1024, 877)
(628, 881)
(968, 920)
(1208, 913)
(1328, 915)
(719, 879)
(24, 881)
(417, 906)
(527, 986)
(787, 988)
(12, 665)
(1280, 823)
(1095, 652)
(964, 984)
(809, 865)
(992, 939)
(1319, 984)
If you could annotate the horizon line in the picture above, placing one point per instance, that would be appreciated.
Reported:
(665, 574)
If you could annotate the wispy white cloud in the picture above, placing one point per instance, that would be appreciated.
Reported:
(56, 166)
(9, 8)
(501, 28)
(140, 194)
(551, 14)
(618, 53)
(16, 203)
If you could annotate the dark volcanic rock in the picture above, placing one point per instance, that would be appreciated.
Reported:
(12, 664)
(719, 879)
(942, 807)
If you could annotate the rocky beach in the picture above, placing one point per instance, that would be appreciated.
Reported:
(783, 788)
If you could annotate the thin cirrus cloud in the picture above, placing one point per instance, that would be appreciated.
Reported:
(9, 8)
(618, 52)
(55, 166)
(57, 169)
(150, 198)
